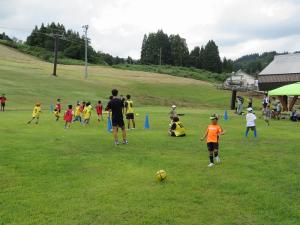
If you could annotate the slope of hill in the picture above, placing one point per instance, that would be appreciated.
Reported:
(26, 79)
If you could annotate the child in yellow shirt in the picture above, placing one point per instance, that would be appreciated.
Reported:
(36, 113)
(56, 114)
(77, 113)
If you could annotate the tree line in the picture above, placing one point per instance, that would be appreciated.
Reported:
(162, 49)
(71, 44)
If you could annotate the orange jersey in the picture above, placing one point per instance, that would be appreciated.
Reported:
(213, 132)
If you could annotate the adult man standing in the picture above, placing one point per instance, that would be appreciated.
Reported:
(117, 107)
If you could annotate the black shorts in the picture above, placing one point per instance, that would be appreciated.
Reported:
(211, 146)
(130, 116)
(3, 104)
(252, 128)
(118, 123)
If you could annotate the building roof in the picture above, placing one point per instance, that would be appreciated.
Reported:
(283, 64)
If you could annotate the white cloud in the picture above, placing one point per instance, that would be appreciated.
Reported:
(117, 26)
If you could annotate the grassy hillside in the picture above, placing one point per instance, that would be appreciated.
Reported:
(27, 80)
(50, 175)
(187, 72)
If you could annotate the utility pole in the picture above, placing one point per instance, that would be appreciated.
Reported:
(160, 56)
(55, 36)
(86, 27)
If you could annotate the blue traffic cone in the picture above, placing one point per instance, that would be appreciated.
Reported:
(146, 124)
(226, 115)
(109, 126)
(51, 107)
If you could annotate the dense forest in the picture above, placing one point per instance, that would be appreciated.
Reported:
(71, 44)
(162, 49)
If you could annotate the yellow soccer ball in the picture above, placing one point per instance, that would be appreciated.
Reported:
(161, 175)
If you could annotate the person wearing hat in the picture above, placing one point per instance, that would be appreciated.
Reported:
(250, 119)
(173, 112)
(212, 136)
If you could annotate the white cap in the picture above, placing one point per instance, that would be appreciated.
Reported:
(173, 106)
(249, 109)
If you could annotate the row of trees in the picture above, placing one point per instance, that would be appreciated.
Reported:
(71, 44)
(161, 48)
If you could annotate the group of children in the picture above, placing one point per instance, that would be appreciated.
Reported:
(82, 113)
(213, 132)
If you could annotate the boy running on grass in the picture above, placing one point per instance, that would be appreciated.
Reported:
(77, 113)
(68, 117)
(56, 114)
(116, 107)
(36, 113)
(212, 135)
(99, 109)
(58, 105)
(250, 118)
(87, 112)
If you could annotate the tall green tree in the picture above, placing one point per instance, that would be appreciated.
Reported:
(212, 61)
(179, 51)
(227, 65)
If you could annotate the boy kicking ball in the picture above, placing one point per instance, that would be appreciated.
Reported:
(212, 135)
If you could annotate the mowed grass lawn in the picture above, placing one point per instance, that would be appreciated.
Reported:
(49, 175)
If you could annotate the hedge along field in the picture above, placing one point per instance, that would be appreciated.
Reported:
(49, 175)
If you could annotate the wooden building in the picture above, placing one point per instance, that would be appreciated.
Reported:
(283, 70)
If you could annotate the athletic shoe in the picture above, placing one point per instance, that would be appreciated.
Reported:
(117, 143)
(218, 160)
(125, 142)
(211, 165)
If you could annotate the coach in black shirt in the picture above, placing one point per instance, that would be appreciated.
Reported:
(116, 106)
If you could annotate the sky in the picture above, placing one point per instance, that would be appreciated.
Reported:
(117, 27)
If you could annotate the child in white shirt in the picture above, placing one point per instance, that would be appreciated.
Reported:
(250, 118)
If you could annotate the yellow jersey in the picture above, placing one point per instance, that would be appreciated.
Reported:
(87, 111)
(129, 106)
(77, 111)
(179, 130)
(56, 113)
(36, 111)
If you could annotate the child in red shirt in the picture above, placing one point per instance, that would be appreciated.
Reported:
(99, 109)
(68, 116)
(58, 105)
(2, 101)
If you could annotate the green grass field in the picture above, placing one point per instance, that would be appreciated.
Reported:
(49, 175)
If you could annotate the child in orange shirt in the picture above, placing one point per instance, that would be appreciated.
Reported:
(212, 135)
